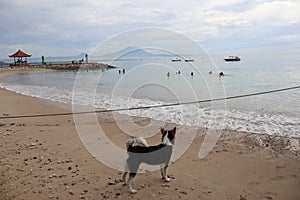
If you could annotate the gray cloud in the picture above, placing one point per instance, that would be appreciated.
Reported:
(69, 27)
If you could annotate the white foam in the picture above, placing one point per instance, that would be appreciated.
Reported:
(190, 115)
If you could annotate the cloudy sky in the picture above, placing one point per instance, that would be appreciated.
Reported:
(69, 27)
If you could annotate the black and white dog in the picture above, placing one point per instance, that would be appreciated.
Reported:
(139, 152)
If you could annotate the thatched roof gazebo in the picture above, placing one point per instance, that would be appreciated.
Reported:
(20, 55)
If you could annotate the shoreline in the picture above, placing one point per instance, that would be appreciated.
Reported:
(43, 158)
(56, 66)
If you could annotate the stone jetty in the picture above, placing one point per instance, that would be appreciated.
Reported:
(64, 66)
(75, 66)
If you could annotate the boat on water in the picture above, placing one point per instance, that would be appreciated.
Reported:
(232, 59)
(189, 60)
(176, 60)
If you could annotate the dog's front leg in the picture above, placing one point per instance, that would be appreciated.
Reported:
(162, 172)
(131, 176)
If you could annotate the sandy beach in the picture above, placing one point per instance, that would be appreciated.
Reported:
(43, 158)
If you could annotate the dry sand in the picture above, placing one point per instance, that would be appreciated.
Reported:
(43, 158)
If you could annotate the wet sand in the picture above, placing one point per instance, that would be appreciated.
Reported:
(43, 158)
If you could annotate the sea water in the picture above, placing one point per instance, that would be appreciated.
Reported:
(159, 81)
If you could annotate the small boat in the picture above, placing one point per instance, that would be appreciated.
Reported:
(232, 59)
(176, 60)
(189, 60)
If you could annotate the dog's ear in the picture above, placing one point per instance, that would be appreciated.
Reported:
(162, 130)
(174, 130)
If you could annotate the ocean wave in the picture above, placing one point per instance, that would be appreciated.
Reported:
(259, 122)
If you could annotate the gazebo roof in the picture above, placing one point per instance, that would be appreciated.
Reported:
(19, 53)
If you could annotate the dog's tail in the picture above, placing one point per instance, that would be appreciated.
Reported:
(136, 141)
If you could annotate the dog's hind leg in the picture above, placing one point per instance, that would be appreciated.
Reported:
(124, 178)
(164, 173)
(131, 176)
(126, 170)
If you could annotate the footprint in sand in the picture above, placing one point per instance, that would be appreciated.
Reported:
(277, 178)
(279, 167)
(252, 184)
(270, 195)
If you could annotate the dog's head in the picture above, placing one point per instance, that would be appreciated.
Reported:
(168, 136)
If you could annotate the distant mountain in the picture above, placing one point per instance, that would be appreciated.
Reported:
(132, 52)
